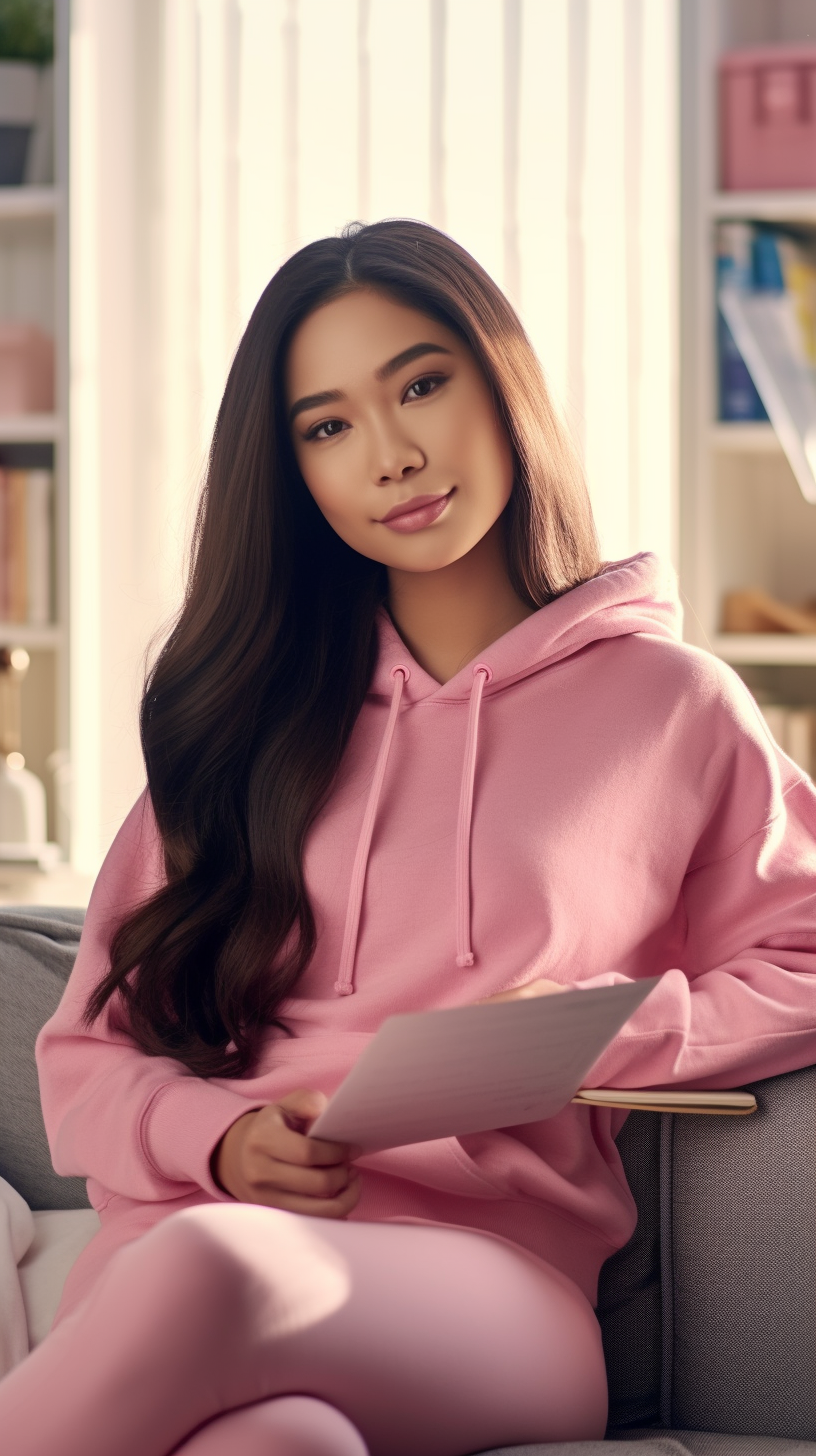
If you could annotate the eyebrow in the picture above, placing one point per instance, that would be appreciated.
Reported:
(385, 371)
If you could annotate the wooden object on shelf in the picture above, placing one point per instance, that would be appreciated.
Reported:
(757, 611)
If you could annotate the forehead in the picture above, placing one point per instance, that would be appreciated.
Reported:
(347, 339)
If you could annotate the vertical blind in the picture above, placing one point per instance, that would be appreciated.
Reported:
(210, 138)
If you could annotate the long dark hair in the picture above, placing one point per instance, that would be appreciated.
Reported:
(251, 701)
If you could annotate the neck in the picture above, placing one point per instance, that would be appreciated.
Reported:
(447, 617)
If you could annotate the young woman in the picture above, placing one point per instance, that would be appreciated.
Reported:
(409, 745)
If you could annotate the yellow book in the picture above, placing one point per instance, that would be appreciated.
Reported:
(730, 1104)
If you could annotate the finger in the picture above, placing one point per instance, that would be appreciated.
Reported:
(532, 990)
(338, 1207)
(541, 988)
(303, 1107)
(295, 1147)
(311, 1182)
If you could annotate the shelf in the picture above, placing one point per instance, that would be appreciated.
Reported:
(745, 438)
(29, 429)
(765, 647)
(25, 202)
(22, 634)
(798, 206)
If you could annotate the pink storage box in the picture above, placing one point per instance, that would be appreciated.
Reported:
(768, 117)
(26, 370)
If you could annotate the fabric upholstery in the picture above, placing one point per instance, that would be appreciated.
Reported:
(668, 1443)
(739, 1266)
(37, 950)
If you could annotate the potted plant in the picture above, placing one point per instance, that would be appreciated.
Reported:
(26, 53)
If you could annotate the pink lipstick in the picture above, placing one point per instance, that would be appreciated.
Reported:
(415, 514)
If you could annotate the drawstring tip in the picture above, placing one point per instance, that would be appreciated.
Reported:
(343, 988)
(465, 960)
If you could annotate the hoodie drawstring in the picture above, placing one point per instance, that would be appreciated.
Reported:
(482, 675)
(344, 985)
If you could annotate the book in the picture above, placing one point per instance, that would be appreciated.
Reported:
(770, 314)
(38, 545)
(26, 546)
(738, 395)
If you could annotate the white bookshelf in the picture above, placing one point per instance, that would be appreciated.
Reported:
(794, 207)
(744, 522)
(744, 439)
(28, 202)
(31, 429)
(34, 288)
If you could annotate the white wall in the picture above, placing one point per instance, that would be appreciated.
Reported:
(212, 137)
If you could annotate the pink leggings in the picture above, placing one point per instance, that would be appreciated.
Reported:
(236, 1330)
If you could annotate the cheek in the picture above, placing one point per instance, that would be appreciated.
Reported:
(324, 482)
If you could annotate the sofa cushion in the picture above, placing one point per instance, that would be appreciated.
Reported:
(739, 1266)
(667, 1443)
(59, 1238)
(37, 951)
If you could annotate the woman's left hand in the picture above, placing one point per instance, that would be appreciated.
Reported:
(525, 993)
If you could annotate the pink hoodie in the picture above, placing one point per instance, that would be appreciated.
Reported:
(591, 801)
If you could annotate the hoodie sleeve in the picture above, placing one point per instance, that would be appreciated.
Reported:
(142, 1126)
(742, 1004)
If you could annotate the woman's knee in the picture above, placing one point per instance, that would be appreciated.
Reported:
(182, 1269)
(239, 1263)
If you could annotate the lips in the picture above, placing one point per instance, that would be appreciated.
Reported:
(416, 514)
(416, 503)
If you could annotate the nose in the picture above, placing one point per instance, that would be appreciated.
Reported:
(394, 455)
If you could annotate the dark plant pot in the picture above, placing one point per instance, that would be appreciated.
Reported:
(14, 142)
(19, 96)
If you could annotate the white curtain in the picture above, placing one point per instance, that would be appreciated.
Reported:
(210, 138)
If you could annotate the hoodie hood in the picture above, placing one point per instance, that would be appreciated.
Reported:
(635, 595)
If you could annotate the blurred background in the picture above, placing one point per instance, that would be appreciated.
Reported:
(638, 175)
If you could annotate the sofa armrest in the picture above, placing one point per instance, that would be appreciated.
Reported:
(37, 952)
(738, 1256)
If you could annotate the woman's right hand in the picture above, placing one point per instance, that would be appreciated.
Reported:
(266, 1158)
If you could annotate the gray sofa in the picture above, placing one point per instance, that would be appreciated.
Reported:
(708, 1314)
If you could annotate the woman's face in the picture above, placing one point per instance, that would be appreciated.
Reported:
(395, 432)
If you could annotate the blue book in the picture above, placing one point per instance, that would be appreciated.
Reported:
(738, 397)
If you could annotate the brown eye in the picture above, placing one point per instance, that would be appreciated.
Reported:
(331, 428)
(424, 386)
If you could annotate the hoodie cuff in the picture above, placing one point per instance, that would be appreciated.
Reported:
(183, 1125)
